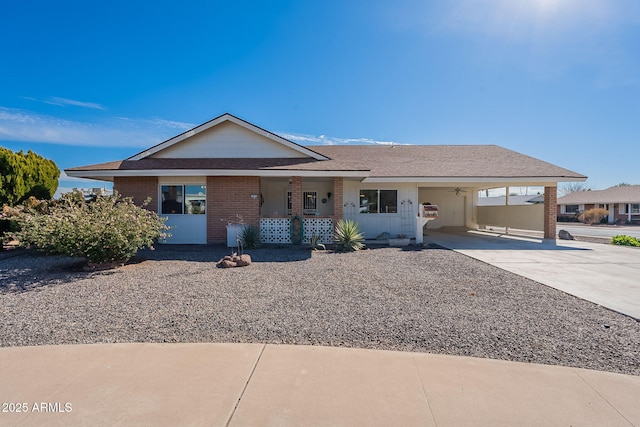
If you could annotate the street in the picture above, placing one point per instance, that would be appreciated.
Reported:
(599, 231)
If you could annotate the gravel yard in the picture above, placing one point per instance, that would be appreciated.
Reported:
(431, 300)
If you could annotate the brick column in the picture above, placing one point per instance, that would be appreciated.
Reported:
(550, 212)
(139, 188)
(296, 195)
(337, 199)
(228, 197)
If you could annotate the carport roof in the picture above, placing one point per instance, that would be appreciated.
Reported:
(444, 161)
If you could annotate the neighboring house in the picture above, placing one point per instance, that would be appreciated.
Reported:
(228, 169)
(623, 203)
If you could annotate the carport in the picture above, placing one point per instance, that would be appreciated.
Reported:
(458, 207)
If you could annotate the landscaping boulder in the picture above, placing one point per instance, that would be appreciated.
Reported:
(234, 260)
(565, 235)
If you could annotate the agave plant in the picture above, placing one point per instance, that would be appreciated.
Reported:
(347, 236)
(250, 237)
(314, 242)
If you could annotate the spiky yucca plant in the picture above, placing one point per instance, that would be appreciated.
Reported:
(250, 237)
(347, 236)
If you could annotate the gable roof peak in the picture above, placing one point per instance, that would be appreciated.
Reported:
(228, 117)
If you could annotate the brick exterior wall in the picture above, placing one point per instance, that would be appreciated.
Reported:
(227, 197)
(296, 195)
(139, 188)
(337, 199)
(550, 212)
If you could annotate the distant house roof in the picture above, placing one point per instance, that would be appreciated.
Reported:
(513, 200)
(622, 194)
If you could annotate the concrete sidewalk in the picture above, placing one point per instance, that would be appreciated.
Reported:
(607, 275)
(256, 384)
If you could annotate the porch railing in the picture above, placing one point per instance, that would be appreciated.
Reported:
(278, 230)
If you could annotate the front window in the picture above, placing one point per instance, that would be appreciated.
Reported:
(183, 199)
(378, 201)
(635, 208)
(572, 209)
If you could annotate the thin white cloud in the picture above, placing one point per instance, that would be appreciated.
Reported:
(159, 123)
(21, 125)
(329, 140)
(63, 102)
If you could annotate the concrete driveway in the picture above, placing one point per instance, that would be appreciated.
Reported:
(604, 274)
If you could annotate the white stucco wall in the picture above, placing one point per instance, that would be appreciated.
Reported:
(374, 224)
(525, 217)
(454, 211)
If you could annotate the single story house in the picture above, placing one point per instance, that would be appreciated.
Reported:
(228, 170)
(623, 203)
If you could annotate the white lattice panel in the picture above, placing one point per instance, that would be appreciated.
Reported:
(275, 230)
(322, 227)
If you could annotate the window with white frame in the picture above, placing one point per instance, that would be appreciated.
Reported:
(570, 209)
(378, 201)
(635, 208)
(183, 199)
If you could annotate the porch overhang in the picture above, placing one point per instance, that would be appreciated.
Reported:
(471, 181)
(109, 175)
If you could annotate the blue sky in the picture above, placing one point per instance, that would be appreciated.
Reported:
(87, 82)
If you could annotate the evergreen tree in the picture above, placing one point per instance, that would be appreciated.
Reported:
(24, 175)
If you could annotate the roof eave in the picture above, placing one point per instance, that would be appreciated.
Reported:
(99, 174)
(530, 180)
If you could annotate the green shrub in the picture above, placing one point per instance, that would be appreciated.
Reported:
(347, 236)
(26, 174)
(593, 216)
(110, 229)
(250, 237)
(314, 242)
(624, 240)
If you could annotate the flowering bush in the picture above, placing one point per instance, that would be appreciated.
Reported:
(109, 229)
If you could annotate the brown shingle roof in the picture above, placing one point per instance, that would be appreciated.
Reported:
(221, 163)
(404, 161)
(444, 161)
(623, 194)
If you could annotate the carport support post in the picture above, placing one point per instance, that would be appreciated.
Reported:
(550, 214)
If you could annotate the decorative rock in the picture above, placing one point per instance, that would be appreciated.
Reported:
(565, 235)
(234, 260)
